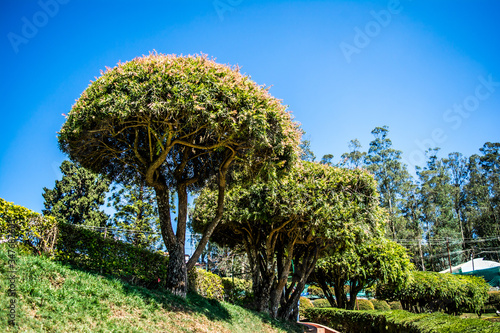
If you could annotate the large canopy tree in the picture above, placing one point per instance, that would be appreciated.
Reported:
(174, 122)
(294, 218)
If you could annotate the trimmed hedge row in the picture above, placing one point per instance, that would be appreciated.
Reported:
(430, 291)
(395, 321)
(90, 250)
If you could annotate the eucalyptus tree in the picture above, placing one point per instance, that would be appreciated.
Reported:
(441, 224)
(355, 158)
(77, 197)
(173, 122)
(286, 224)
(392, 177)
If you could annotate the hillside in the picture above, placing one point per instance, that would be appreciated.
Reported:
(52, 297)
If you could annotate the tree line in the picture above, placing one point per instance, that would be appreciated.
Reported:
(451, 207)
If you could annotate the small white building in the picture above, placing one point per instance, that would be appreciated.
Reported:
(479, 264)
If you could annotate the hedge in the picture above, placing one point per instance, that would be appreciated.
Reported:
(315, 291)
(395, 305)
(493, 302)
(395, 321)
(380, 305)
(364, 304)
(90, 250)
(237, 290)
(206, 284)
(321, 303)
(304, 304)
(430, 291)
(23, 225)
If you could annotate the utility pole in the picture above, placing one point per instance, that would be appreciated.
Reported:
(473, 258)
(421, 255)
(449, 257)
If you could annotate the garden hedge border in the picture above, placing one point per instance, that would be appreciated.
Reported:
(395, 321)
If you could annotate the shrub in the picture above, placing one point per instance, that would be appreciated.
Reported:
(364, 304)
(395, 305)
(492, 304)
(429, 291)
(321, 303)
(305, 303)
(380, 305)
(206, 284)
(237, 290)
(90, 250)
(348, 321)
(315, 291)
(28, 227)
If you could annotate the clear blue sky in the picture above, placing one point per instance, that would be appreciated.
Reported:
(343, 67)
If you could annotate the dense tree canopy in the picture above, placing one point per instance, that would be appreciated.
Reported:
(136, 214)
(173, 123)
(295, 218)
(361, 266)
(77, 197)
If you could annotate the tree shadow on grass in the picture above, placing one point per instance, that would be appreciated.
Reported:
(211, 309)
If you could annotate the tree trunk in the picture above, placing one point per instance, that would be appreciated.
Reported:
(176, 280)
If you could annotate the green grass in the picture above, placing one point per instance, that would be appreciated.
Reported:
(52, 297)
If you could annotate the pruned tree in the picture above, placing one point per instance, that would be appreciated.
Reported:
(361, 266)
(292, 219)
(77, 197)
(174, 122)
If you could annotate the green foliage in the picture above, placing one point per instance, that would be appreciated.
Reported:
(304, 304)
(174, 123)
(53, 297)
(90, 250)
(315, 291)
(237, 290)
(363, 264)
(397, 321)
(164, 108)
(206, 284)
(312, 208)
(77, 197)
(365, 304)
(429, 291)
(392, 177)
(380, 305)
(321, 303)
(492, 304)
(493, 298)
(395, 305)
(355, 158)
(20, 224)
(136, 214)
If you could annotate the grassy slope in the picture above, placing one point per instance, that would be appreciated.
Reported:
(56, 298)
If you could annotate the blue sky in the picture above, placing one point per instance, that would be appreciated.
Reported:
(429, 70)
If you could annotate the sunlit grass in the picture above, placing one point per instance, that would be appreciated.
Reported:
(57, 298)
